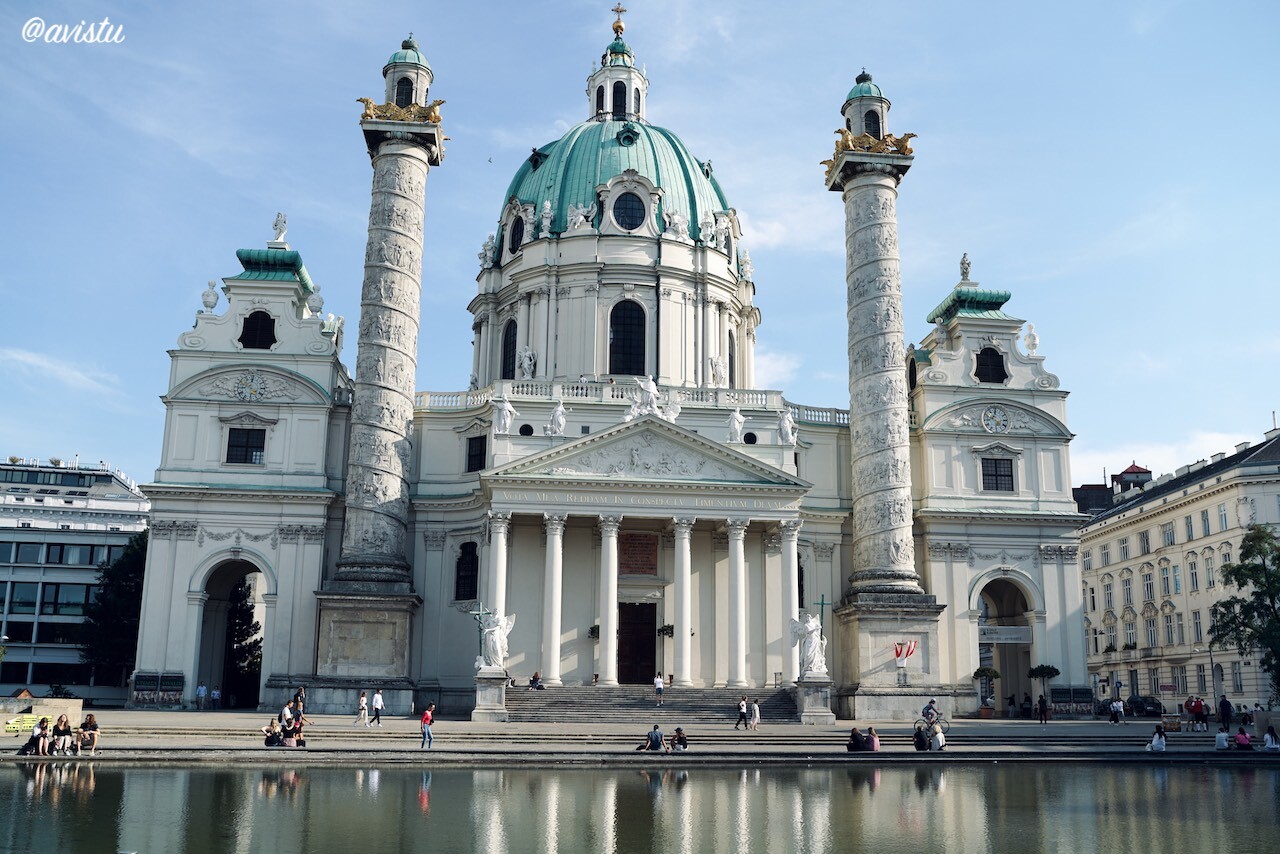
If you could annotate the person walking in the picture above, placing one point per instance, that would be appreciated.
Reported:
(657, 687)
(755, 713)
(201, 693)
(742, 714)
(378, 706)
(1224, 712)
(427, 717)
(1115, 708)
(216, 696)
(362, 711)
(1043, 706)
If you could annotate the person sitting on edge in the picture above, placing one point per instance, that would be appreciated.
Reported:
(920, 738)
(857, 741)
(930, 712)
(535, 681)
(87, 735)
(1157, 744)
(679, 743)
(272, 736)
(1242, 740)
(1222, 741)
(653, 740)
(1269, 739)
(939, 740)
(873, 740)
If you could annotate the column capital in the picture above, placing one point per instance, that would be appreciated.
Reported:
(499, 521)
(554, 523)
(790, 529)
(736, 528)
(609, 524)
(683, 526)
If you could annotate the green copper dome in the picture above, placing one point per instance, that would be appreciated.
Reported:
(568, 171)
(618, 53)
(863, 87)
(408, 53)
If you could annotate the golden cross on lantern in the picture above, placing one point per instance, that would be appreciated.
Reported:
(618, 26)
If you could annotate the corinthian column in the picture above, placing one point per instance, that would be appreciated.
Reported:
(499, 526)
(608, 646)
(790, 532)
(883, 553)
(374, 533)
(551, 601)
(737, 529)
(684, 603)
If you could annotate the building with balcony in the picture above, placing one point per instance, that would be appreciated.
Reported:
(59, 521)
(1150, 571)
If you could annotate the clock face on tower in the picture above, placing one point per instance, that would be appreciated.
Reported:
(995, 419)
(250, 386)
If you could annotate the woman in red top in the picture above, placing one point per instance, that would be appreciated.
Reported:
(427, 717)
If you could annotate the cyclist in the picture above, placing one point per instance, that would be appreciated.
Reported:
(930, 713)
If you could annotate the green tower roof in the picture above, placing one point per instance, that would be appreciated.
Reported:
(274, 265)
(408, 53)
(971, 302)
(567, 171)
(863, 87)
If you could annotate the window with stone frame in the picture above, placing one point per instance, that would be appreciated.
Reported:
(1210, 578)
(1193, 573)
(1144, 542)
(1126, 585)
(997, 474)
(258, 331)
(404, 92)
(1148, 587)
(477, 453)
(1124, 548)
(1111, 636)
(1181, 628)
(1168, 629)
(509, 350)
(1107, 598)
(627, 339)
(1153, 638)
(246, 446)
(1197, 630)
(1165, 588)
(1166, 534)
(1190, 528)
(1237, 678)
(1204, 523)
(1222, 517)
(466, 577)
(1104, 554)
(871, 123)
(989, 366)
(619, 100)
(1086, 560)
(1131, 634)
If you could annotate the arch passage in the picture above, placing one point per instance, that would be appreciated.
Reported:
(626, 339)
(1007, 642)
(231, 634)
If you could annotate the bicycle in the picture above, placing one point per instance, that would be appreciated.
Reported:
(939, 720)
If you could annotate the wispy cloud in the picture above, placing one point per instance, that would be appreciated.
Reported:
(40, 366)
(1088, 462)
(775, 368)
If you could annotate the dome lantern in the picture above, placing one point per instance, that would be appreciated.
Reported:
(408, 75)
(866, 109)
(617, 89)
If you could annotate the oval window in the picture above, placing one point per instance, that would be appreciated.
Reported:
(628, 211)
(517, 235)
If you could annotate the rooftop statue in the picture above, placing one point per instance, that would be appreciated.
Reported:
(281, 225)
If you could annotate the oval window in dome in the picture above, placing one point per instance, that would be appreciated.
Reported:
(517, 235)
(628, 211)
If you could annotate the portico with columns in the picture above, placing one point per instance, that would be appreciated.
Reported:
(645, 514)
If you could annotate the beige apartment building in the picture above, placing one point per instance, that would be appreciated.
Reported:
(1151, 568)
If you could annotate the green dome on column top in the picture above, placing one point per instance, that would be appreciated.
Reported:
(863, 87)
(408, 53)
(566, 172)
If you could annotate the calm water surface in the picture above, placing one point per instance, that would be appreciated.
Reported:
(74, 807)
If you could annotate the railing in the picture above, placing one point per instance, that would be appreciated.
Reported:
(623, 392)
(819, 415)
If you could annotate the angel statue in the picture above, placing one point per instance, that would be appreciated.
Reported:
(545, 218)
(503, 412)
(496, 628)
(280, 226)
(807, 632)
(580, 216)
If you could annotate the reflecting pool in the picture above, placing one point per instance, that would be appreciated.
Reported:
(910, 808)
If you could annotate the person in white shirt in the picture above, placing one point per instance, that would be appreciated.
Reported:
(378, 706)
(1157, 740)
(657, 686)
(1269, 739)
(1222, 741)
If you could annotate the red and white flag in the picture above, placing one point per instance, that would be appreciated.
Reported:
(903, 651)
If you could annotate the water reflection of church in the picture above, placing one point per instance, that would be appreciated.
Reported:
(633, 525)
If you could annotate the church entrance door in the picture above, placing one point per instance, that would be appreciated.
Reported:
(637, 642)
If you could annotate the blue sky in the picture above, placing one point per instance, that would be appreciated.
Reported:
(1113, 165)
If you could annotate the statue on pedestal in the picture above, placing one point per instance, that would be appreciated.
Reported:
(556, 426)
(736, 420)
(503, 412)
(528, 360)
(786, 428)
(496, 629)
(807, 632)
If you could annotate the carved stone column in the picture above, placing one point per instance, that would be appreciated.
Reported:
(374, 533)
(684, 603)
(883, 550)
(737, 530)
(608, 646)
(499, 526)
(790, 597)
(551, 598)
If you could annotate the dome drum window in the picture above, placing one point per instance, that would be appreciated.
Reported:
(628, 211)
(629, 205)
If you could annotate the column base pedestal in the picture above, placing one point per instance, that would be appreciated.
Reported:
(872, 686)
(491, 696)
(813, 699)
(365, 635)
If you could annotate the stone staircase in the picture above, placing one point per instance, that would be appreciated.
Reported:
(635, 704)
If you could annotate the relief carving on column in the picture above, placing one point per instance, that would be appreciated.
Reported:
(433, 540)
(773, 543)
(824, 551)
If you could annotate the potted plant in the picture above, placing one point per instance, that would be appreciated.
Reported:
(1044, 672)
(985, 672)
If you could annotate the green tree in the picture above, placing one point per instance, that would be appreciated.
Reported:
(109, 635)
(1251, 621)
(1044, 672)
(244, 647)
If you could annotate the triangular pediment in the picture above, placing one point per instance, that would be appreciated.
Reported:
(648, 450)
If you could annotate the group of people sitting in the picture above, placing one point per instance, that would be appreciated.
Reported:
(654, 740)
(286, 730)
(858, 742)
(1241, 740)
(61, 739)
(932, 738)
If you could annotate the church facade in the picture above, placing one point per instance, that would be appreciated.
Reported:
(611, 481)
